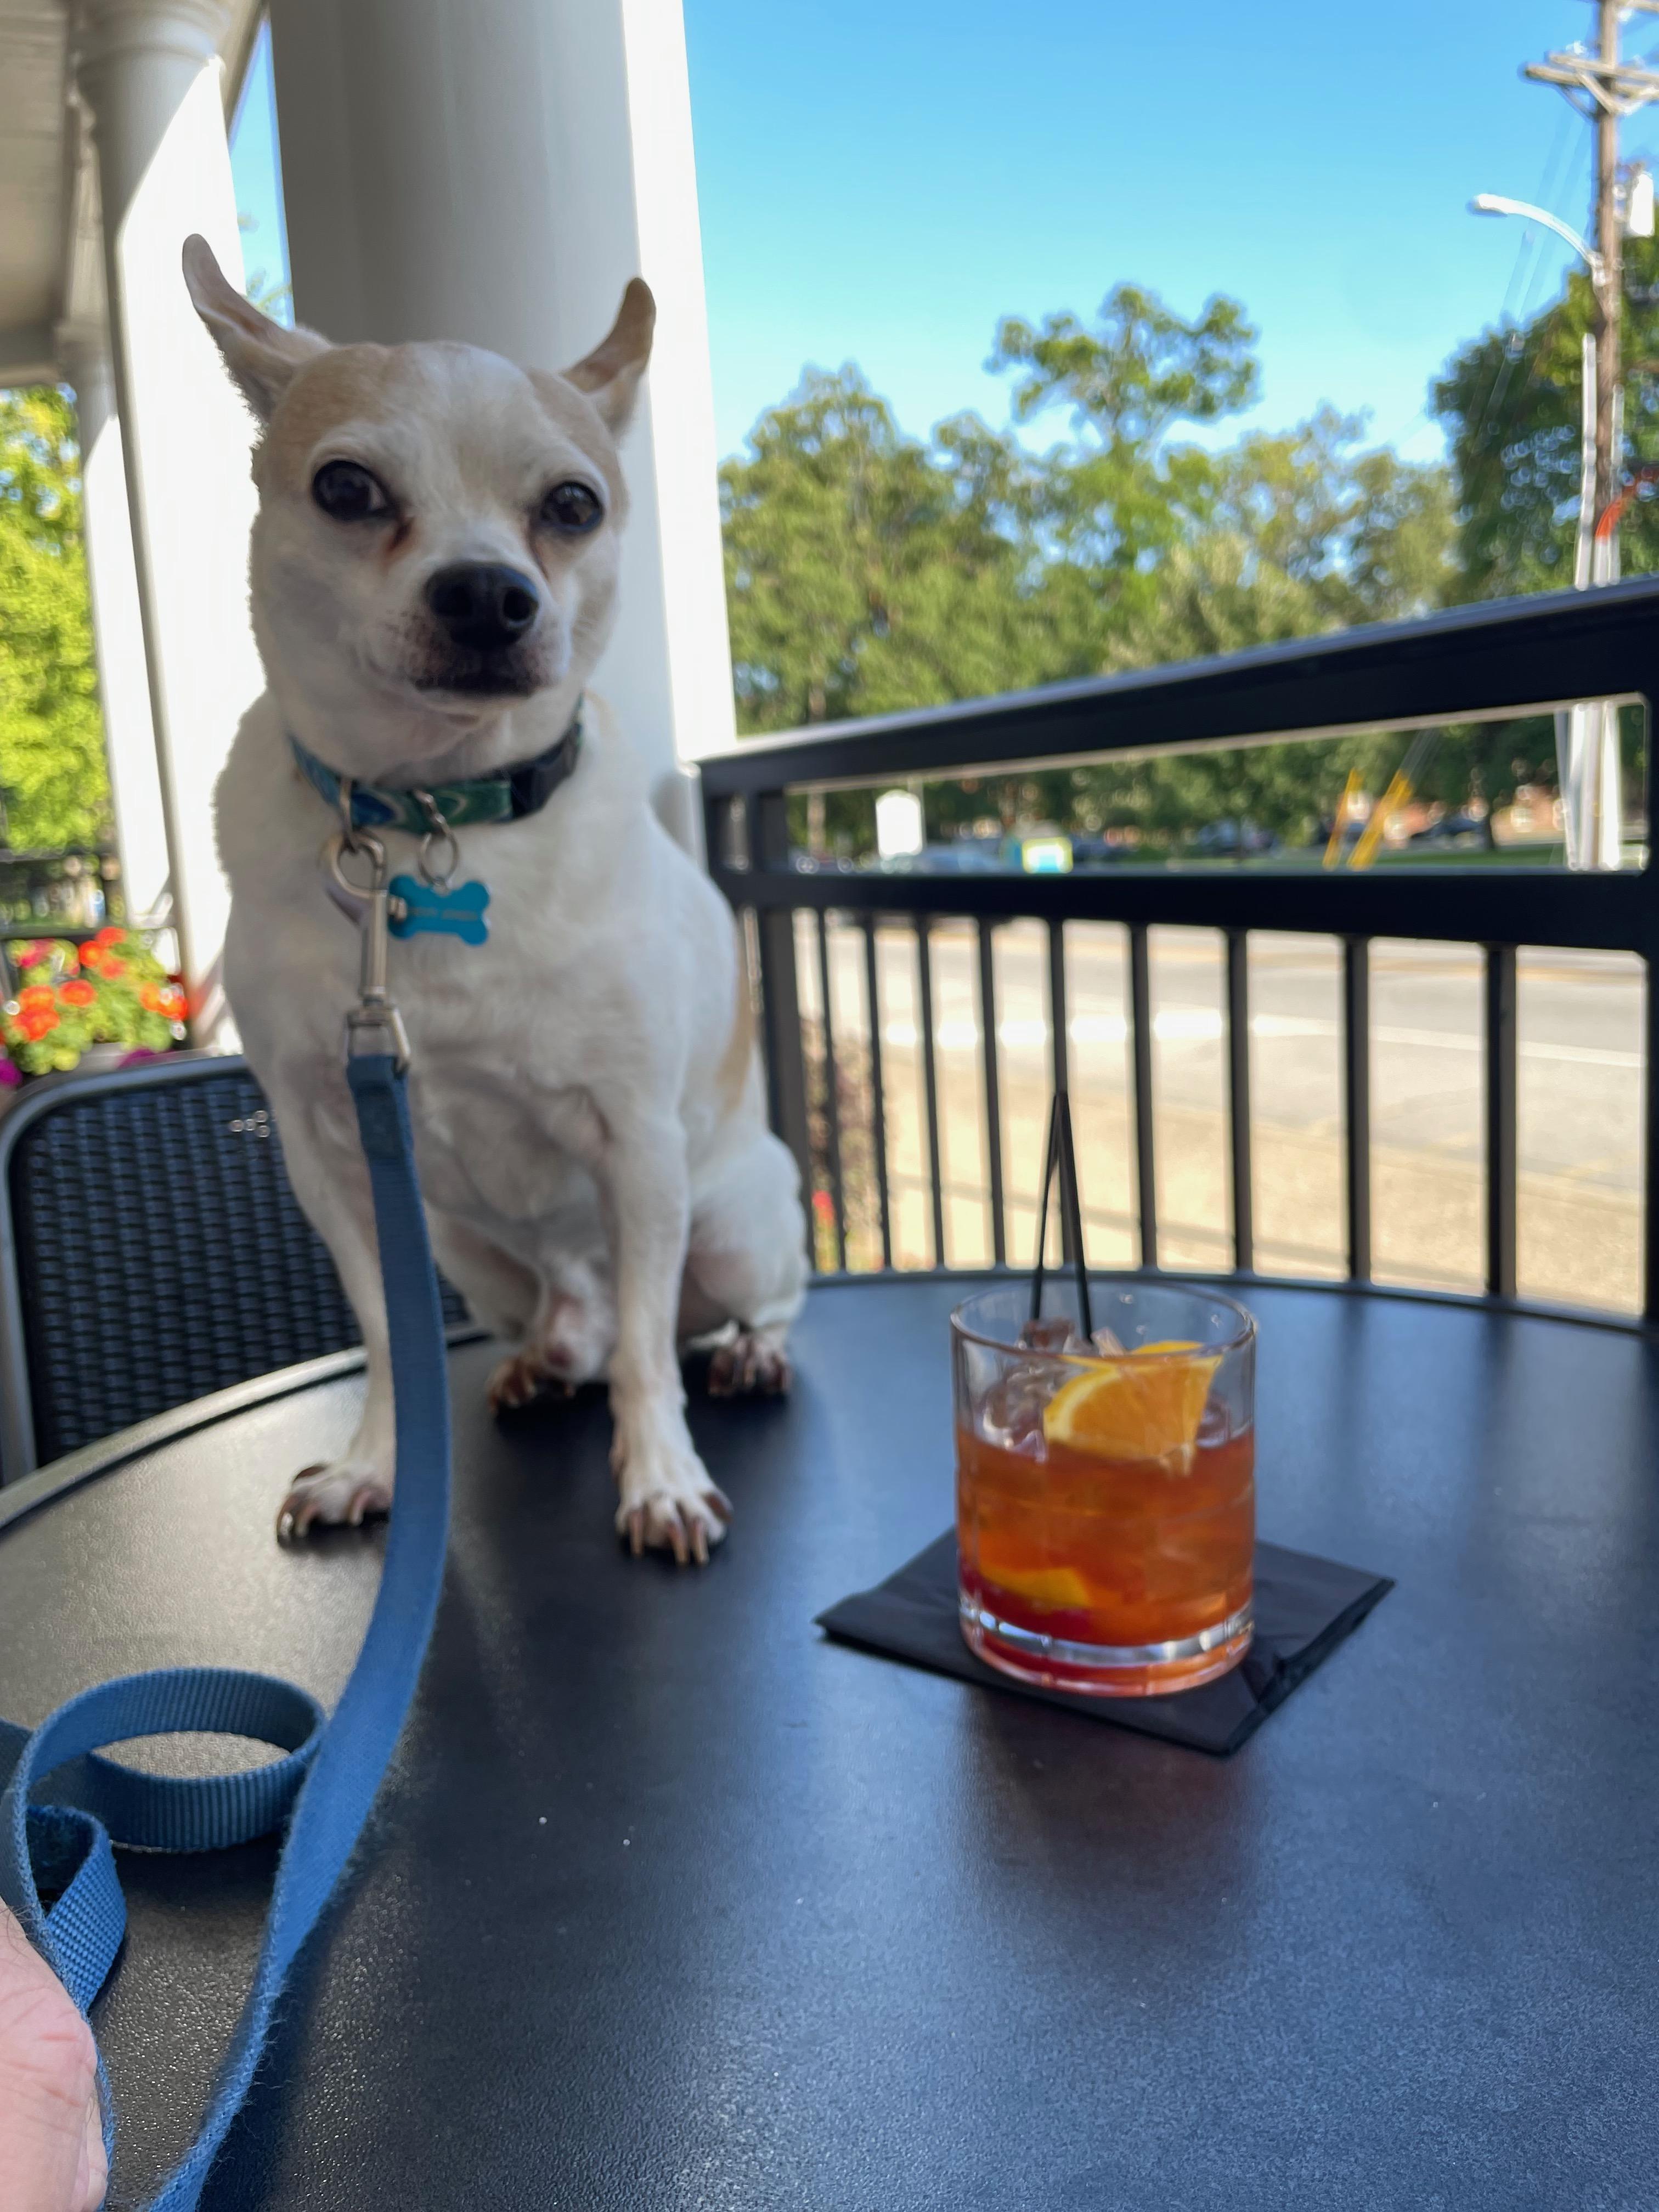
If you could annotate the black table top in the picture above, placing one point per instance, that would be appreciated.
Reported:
(667, 1903)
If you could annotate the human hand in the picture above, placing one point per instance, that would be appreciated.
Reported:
(52, 2137)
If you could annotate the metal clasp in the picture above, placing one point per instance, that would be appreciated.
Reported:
(375, 1014)
(438, 833)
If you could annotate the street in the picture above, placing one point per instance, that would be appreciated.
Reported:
(1579, 1107)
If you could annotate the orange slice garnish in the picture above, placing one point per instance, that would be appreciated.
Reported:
(1061, 1587)
(1142, 1406)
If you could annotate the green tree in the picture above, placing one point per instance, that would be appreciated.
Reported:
(54, 782)
(870, 571)
(1140, 368)
(866, 571)
(1510, 402)
(1298, 531)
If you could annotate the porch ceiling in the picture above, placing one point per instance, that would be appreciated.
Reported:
(51, 268)
(33, 177)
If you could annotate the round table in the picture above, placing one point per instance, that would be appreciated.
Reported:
(669, 1903)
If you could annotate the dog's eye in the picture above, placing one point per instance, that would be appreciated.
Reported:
(349, 493)
(572, 509)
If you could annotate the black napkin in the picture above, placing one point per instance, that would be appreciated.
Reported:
(1304, 1608)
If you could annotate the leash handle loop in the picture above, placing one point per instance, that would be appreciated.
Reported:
(326, 1784)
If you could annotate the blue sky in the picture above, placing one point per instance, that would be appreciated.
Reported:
(880, 180)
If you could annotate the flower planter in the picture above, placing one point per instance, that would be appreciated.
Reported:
(91, 1006)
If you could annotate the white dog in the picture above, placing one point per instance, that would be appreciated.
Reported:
(433, 575)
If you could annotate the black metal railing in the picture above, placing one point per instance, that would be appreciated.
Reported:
(1514, 658)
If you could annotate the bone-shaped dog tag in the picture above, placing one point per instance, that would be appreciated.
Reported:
(458, 913)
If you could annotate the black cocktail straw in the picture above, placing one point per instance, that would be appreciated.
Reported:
(1062, 1155)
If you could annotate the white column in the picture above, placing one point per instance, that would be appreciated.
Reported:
(495, 171)
(116, 623)
(149, 72)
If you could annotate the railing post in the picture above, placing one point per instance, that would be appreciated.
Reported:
(1140, 1035)
(1356, 1100)
(1238, 1098)
(877, 1094)
(1059, 1060)
(1501, 1142)
(831, 1095)
(988, 1019)
(930, 1079)
(1650, 1163)
(785, 1064)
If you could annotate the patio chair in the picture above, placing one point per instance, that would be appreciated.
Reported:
(151, 1250)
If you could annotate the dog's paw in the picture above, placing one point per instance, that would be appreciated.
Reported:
(519, 1378)
(347, 1493)
(753, 1365)
(670, 1504)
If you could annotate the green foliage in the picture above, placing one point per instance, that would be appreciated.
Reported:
(867, 571)
(1510, 401)
(54, 783)
(1138, 371)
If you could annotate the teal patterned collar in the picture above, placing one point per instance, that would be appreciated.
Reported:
(507, 796)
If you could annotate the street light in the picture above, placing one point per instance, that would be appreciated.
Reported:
(1585, 563)
(1495, 204)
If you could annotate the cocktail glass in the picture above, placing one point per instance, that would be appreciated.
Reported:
(1105, 1486)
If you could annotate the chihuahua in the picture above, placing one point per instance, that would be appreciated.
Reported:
(434, 576)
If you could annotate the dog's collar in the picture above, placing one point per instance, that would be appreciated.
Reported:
(507, 796)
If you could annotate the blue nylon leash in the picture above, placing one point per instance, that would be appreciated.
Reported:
(326, 1782)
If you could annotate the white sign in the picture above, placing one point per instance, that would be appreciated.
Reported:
(898, 825)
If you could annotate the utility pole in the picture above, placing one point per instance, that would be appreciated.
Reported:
(1609, 239)
(1605, 89)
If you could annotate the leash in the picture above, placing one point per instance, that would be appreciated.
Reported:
(326, 1782)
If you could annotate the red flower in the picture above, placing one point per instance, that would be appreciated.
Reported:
(37, 1023)
(77, 994)
(109, 934)
(35, 997)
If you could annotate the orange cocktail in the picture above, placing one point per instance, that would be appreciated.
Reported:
(1105, 1489)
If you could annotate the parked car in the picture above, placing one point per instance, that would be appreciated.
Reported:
(954, 856)
(1231, 840)
(1088, 852)
(1472, 830)
(819, 864)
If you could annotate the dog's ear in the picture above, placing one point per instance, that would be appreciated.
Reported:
(260, 355)
(610, 373)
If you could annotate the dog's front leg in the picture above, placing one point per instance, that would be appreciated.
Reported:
(668, 1500)
(326, 1169)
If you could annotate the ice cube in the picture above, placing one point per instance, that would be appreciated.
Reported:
(1011, 1415)
(1215, 1423)
(1103, 1340)
(1052, 1332)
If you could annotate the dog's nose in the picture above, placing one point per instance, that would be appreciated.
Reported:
(483, 605)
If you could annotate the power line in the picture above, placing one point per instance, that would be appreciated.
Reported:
(1604, 86)
(1551, 179)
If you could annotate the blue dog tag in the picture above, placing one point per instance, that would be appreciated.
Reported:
(458, 913)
